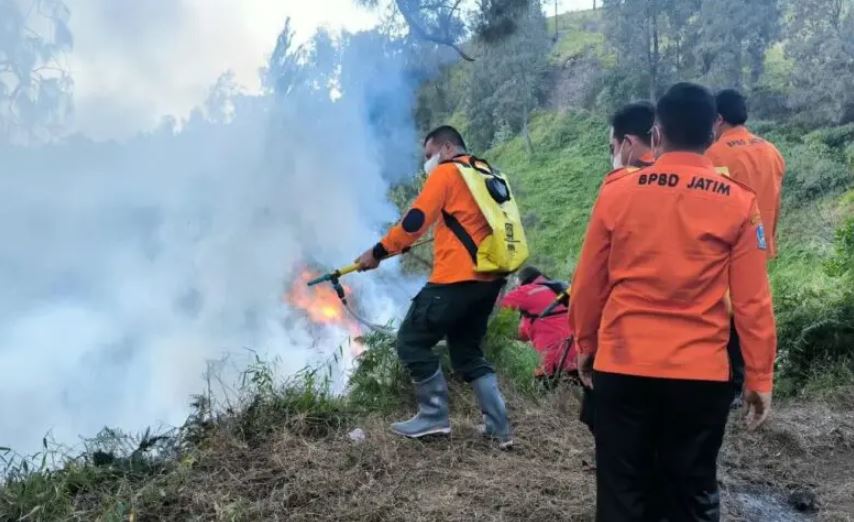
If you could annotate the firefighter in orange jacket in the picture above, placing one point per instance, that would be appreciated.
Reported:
(456, 302)
(663, 245)
(758, 164)
(631, 149)
(750, 160)
(630, 137)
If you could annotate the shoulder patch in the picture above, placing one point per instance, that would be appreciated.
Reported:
(761, 243)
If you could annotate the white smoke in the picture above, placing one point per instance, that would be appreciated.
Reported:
(125, 267)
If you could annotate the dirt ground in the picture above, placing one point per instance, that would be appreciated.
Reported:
(803, 459)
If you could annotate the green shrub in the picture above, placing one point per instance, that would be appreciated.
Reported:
(815, 315)
(513, 359)
(379, 382)
(813, 169)
(303, 403)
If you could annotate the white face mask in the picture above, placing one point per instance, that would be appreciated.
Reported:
(431, 164)
(617, 160)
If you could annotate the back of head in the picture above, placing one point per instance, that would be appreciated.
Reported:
(446, 135)
(686, 114)
(528, 275)
(732, 106)
(635, 119)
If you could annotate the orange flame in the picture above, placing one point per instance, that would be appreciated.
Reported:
(322, 306)
(320, 303)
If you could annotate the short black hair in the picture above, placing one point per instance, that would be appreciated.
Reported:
(687, 114)
(446, 134)
(732, 106)
(634, 119)
(528, 275)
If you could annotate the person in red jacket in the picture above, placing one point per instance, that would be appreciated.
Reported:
(549, 334)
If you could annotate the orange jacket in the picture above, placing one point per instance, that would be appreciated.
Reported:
(663, 245)
(445, 193)
(758, 164)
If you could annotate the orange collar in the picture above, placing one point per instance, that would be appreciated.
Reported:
(740, 129)
(685, 158)
(646, 159)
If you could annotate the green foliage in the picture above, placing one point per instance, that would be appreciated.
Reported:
(506, 84)
(813, 170)
(815, 313)
(304, 403)
(513, 359)
(821, 33)
(579, 33)
(728, 54)
(841, 263)
(379, 382)
(557, 186)
(47, 486)
(816, 162)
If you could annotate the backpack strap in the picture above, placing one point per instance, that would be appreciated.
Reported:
(465, 238)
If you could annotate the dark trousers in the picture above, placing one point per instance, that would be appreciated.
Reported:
(587, 416)
(736, 359)
(458, 312)
(657, 443)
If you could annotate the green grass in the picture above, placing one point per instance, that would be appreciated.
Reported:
(514, 360)
(556, 186)
(579, 33)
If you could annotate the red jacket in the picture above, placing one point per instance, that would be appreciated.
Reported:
(548, 334)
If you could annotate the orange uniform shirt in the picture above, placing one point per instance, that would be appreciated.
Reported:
(758, 164)
(663, 245)
(445, 192)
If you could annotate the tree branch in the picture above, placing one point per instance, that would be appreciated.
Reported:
(421, 32)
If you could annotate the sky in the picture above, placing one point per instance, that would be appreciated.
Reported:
(135, 62)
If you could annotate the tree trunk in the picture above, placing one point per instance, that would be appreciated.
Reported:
(655, 50)
(594, 5)
(556, 19)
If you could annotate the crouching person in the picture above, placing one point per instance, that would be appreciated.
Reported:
(543, 322)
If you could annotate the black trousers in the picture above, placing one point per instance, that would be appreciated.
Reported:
(657, 443)
(736, 359)
(458, 312)
(587, 416)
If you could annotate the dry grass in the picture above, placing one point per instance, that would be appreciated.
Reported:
(289, 475)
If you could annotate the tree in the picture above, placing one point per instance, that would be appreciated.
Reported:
(726, 51)
(34, 87)
(647, 37)
(821, 43)
(507, 83)
(442, 21)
